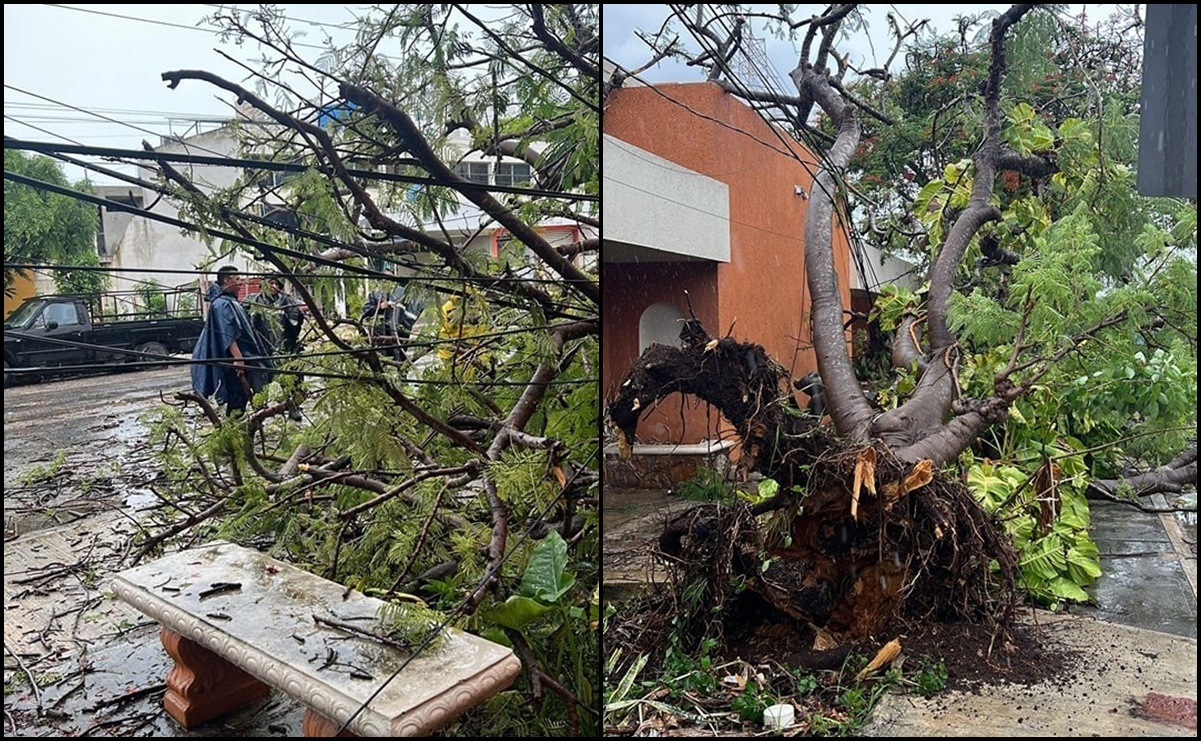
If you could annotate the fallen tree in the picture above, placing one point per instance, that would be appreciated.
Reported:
(890, 513)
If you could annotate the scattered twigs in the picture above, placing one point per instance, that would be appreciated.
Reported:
(135, 694)
(362, 633)
(154, 541)
(420, 543)
(539, 680)
(33, 682)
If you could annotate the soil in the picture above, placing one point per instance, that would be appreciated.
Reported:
(756, 642)
(974, 654)
(776, 654)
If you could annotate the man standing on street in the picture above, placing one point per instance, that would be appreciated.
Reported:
(277, 319)
(237, 366)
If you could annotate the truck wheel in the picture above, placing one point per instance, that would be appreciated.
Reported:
(8, 381)
(152, 348)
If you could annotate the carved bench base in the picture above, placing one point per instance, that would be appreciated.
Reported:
(316, 725)
(202, 685)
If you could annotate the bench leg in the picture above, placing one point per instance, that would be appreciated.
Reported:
(202, 685)
(316, 725)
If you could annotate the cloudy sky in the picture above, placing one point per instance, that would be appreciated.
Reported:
(92, 73)
(622, 46)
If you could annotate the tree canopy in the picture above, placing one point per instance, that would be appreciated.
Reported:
(1049, 355)
(462, 473)
(46, 228)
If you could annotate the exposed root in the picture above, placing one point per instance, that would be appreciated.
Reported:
(926, 555)
(857, 542)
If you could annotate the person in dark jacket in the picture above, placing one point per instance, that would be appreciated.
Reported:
(276, 315)
(277, 320)
(238, 366)
(388, 317)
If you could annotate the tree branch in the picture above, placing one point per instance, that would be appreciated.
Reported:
(413, 139)
(555, 44)
(847, 406)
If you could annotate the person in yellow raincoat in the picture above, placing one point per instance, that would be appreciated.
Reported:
(463, 318)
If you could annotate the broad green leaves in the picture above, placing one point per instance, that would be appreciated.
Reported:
(1026, 133)
(1056, 556)
(546, 577)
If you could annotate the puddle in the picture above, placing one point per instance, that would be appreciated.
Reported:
(140, 498)
(121, 694)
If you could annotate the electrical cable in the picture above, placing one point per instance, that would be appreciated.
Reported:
(264, 247)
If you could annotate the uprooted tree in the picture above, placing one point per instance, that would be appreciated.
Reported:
(463, 472)
(1054, 340)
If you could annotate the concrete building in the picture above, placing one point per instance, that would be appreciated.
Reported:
(141, 250)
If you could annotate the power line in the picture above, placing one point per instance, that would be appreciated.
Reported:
(429, 278)
(230, 213)
(212, 31)
(113, 111)
(319, 238)
(97, 115)
(478, 340)
(44, 131)
(97, 368)
(264, 248)
(222, 160)
(811, 146)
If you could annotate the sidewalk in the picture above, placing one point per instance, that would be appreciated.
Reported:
(1137, 649)
(98, 663)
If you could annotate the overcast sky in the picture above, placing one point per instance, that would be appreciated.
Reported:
(108, 60)
(622, 46)
(69, 68)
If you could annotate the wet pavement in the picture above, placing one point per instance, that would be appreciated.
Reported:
(98, 664)
(77, 465)
(1149, 564)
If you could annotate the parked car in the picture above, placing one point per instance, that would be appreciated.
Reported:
(78, 334)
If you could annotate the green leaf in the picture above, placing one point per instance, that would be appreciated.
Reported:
(1065, 589)
(546, 578)
(1045, 559)
(516, 612)
(768, 488)
(1042, 138)
(1021, 113)
(1084, 563)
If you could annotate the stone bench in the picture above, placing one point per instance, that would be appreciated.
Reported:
(233, 644)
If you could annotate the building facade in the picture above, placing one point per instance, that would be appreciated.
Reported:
(704, 203)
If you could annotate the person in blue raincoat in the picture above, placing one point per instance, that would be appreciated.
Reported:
(242, 367)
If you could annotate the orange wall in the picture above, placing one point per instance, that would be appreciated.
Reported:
(23, 288)
(762, 290)
(629, 288)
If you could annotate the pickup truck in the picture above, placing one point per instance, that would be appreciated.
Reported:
(65, 335)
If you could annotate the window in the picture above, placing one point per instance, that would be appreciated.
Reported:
(276, 178)
(62, 314)
(476, 172)
(512, 173)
